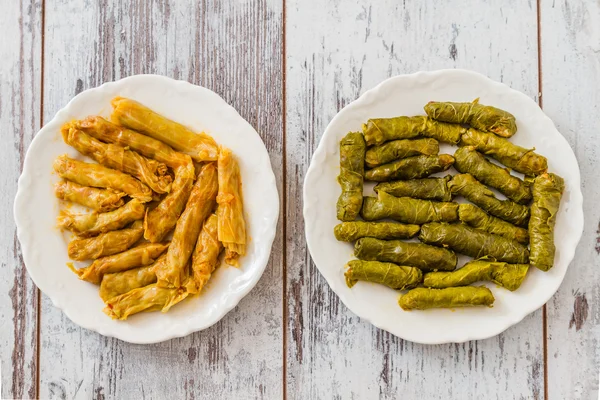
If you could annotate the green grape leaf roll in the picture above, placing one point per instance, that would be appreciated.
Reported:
(398, 149)
(410, 168)
(467, 296)
(408, 210)
(391, 275)
(426, 188)
(352, 167)
(479, 219)
(354, 230)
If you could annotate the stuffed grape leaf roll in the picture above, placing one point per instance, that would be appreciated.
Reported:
(479, 219)
(100, 200)
(352, 168)
(391, 275)
(397, 149)
(466, 296)
(410, 168)
(381, 130)
(408, 210)
(426, 188)
(105, 244)
(354, 230)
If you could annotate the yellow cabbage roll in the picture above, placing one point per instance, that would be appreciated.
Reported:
(96, 175)
(86, 225)
(133, 115)
(105, 244)
(100, 200)
(108, 132)
(232, 227)
(147, 298)
(144, 254)
(206, 254)
(118, 283)
(162, 219)
(173, 272)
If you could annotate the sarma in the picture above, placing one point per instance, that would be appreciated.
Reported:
(100, 200)
(466, 296)
(391, 275)
(469, 161)
(380, 130)
(473, 242)
(422, 256)
(398, 149)
(408, 210)
(205, 258)
(547, 192)
(105, 244)
(426, 188)
(472, 190)
(133, 115)
(516, 157)
(477, 218)
(509, 276)
(352, 160)
(479, 116)
(410, 168)
(442, 131)
(118, 283)
(352, 231)
(148, 298)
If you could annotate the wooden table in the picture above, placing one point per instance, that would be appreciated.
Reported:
(288, 66)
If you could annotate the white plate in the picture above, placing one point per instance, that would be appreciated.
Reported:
(406, 95)
(45, 248)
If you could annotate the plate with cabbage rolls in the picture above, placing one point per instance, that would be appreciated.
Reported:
(146, 209)
(443, 206)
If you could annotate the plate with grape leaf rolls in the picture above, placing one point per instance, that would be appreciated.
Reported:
(443, 206)
(147, 209)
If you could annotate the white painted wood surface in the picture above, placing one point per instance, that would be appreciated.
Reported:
(291, 336)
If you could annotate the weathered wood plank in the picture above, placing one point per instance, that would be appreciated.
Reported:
(20, 86)
(336, 51)
(570, 53)
(234, 48)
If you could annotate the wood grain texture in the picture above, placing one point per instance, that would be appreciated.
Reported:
(570, 44)
(20, 85)
(336, 51)
(233, 48)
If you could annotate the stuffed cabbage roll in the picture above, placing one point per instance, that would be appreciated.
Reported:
(100, 200)
(118, 283)
(516, 157)
(426, 188)
(485, 118)
(391, 275)
(547, 192)
(148, 298)
(509, 276)
(230, 212)
(161, 220)
(473, 242)
(422, 256)
(352, 231)
(148, 171)
(96, 175)
(108, 132)
(469, 161)
(467, 296)
(138, 117)
(206, 253)
(86, 225)
(410, 168)
(472, 190)
(408, 210)
(352, 168)
(105, 244)
(477, 218)
(144, 254)
(398, 149)
(173, 272)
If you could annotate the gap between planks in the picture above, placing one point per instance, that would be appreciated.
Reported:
(285, 309)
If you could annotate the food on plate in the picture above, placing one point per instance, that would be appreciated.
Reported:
(100, 200)
(477, 218)
(466, 296)
(473, 242)
(144, 254)
(205, 258)
(408, 210)
(352, 168)
(469, 161)
(174, 272)
(422, 256)
(426, 188)
(148, 298)
(398, 149)
(391, 275)
(478, 194)
(547, 192)
(96, 175)
(133, 115)
(105, 244)
(410, 168)
(522, 160)
(118, 283)
(509, 276)
(86, 225)
(150, 172)
(479, 116)
(381, 130)
(354, 230)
